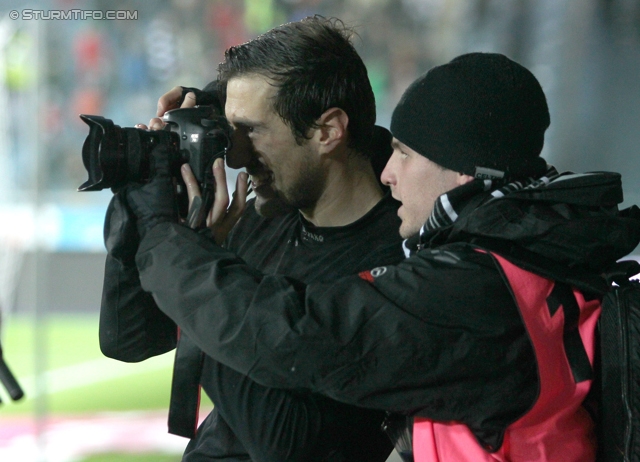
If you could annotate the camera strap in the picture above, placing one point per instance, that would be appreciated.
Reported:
(200, 207)
(185, 388)
(196, 213)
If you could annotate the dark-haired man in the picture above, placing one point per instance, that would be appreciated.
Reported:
(303, 113)
(484, 335)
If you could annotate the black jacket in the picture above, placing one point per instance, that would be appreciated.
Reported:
(437, 335)
(250, 421)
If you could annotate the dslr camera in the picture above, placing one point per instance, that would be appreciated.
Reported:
(114, 156)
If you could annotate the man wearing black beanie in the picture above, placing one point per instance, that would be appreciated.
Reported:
(482, 340)
(480, 116)
(482, 110)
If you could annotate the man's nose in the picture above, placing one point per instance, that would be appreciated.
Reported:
(386, 177)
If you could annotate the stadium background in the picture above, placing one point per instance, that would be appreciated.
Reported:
(83, 407)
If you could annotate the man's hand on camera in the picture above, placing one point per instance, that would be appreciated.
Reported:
(174, 99)
(170, 100)
(223, 216)
(183, 97)
(154, 202)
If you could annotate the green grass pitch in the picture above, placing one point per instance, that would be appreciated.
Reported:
(79, 380)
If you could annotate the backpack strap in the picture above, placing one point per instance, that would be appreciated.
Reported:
(619, 388)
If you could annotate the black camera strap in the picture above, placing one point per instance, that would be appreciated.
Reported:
(196, 213)
(200, 207)
(185, 388)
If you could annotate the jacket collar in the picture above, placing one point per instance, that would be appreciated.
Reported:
(449, 206)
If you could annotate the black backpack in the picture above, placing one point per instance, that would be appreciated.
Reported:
(619, 363)
(614, 400)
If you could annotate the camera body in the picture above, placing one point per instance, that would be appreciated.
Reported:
(114, 156)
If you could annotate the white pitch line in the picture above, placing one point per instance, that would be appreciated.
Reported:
(89, 373)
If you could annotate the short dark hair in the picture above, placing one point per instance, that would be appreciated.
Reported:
(314, 66)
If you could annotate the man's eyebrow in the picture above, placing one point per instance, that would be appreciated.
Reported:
(248, 121)
(395, 144)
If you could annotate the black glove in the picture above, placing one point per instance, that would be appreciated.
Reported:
(154, 202)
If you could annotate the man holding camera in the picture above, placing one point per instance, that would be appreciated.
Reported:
(484, 335)
(303, 113)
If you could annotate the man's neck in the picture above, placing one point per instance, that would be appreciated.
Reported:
(352, 189)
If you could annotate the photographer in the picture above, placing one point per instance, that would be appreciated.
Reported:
(303, 113)
(484, 335)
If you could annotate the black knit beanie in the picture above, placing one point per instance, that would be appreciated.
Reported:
(481, 114)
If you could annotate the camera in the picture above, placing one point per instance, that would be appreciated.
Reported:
(114, 156)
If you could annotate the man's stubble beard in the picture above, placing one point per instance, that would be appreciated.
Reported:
(303, 194)
(272, 207)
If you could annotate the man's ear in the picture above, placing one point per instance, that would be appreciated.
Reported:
(332, 129)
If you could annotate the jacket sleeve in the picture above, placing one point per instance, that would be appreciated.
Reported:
(131, 327)
(437, 335)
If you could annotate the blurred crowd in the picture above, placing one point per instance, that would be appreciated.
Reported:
(586, 54)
